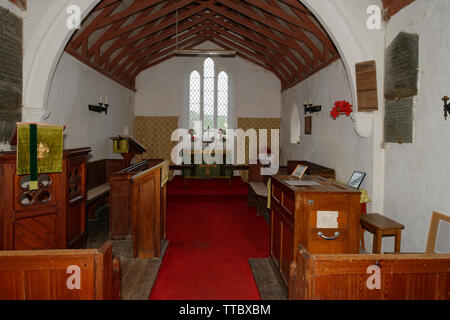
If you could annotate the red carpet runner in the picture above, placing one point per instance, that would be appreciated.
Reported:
(212, 235)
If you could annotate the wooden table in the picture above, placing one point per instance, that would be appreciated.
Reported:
(381, 227)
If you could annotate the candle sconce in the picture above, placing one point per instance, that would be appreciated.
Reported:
(101, 107)
(446, 107)
(309, 108)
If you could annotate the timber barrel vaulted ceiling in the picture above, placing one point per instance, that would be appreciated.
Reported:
(121, 38)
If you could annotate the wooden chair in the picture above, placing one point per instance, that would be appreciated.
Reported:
(436, 218)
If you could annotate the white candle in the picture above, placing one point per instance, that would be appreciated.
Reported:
(100, 99)
(106, 100)
(310, 101)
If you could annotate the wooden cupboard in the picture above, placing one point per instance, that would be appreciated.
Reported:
(294, 220)
(54, 216)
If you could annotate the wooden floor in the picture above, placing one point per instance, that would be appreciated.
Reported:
(138, 275)
(267, 282)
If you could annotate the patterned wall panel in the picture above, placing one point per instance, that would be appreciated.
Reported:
(259, 123)
(155, 134)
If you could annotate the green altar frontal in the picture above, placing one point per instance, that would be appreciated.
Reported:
(204, 170)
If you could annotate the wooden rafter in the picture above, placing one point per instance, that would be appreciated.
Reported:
(120, 39)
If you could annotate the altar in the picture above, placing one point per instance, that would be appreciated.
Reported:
(205, 170)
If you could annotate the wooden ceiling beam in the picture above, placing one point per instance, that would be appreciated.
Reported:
(297, 5)
(253, 54)
(141, 65)
(118, 43)
(166, 33)
(246, 33)
(159, 46)
(271, 24)
(264, 31)
(94, 66)
(320, 33)
(270, 17)
(279, 13)
(104, 4)
(250, 59)
(84, 35)
(161, 13)
(105, 36)
(258, 48)
(134, 8)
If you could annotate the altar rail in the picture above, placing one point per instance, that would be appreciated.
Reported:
(345, 277)
(43, 274)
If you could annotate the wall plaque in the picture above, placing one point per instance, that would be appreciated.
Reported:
(308, 125)
(366, 86)
(402, 63)
(398, 121)
(10, 73)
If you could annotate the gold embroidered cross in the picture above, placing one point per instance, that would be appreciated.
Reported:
(208, 166)
(42, 151)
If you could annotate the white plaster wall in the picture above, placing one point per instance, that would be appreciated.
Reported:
(417, 175)
(163, 89)
(74, 87)
(333, 143)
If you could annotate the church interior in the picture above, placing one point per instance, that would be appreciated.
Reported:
(224, 150)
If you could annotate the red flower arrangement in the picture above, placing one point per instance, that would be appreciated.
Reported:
(341, 107)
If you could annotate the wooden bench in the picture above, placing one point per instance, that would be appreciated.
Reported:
(381, 226)
(257, 197)
(354, 277)
(47, 274)
(98, 179)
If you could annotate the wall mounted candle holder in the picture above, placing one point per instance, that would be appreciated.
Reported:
(310, 108)
(99, 108)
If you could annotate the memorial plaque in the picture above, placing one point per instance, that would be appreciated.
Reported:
(366, 86)
(398, 121)
(10, 73)
(402, 63)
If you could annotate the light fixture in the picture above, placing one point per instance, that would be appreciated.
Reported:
(200, 52)
(204, 52)
(101, 107)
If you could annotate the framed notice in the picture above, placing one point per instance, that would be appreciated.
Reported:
(366, 86)
(308, 125)
(356, 179)
(299, 171)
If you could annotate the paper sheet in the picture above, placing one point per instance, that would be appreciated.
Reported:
(327, 219)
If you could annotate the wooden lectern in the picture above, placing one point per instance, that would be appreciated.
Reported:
(127, 147)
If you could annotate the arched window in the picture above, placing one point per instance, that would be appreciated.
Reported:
(295, 125)
(208, 97)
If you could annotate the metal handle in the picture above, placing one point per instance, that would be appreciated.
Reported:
(336, 235)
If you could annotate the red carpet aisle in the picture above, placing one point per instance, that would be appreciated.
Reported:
(211, 239)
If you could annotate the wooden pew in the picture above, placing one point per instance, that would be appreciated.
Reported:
(346, 277)
(44, 274)
(98, 182)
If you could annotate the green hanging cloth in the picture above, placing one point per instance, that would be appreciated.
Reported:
(39, 150)
(120, 146)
